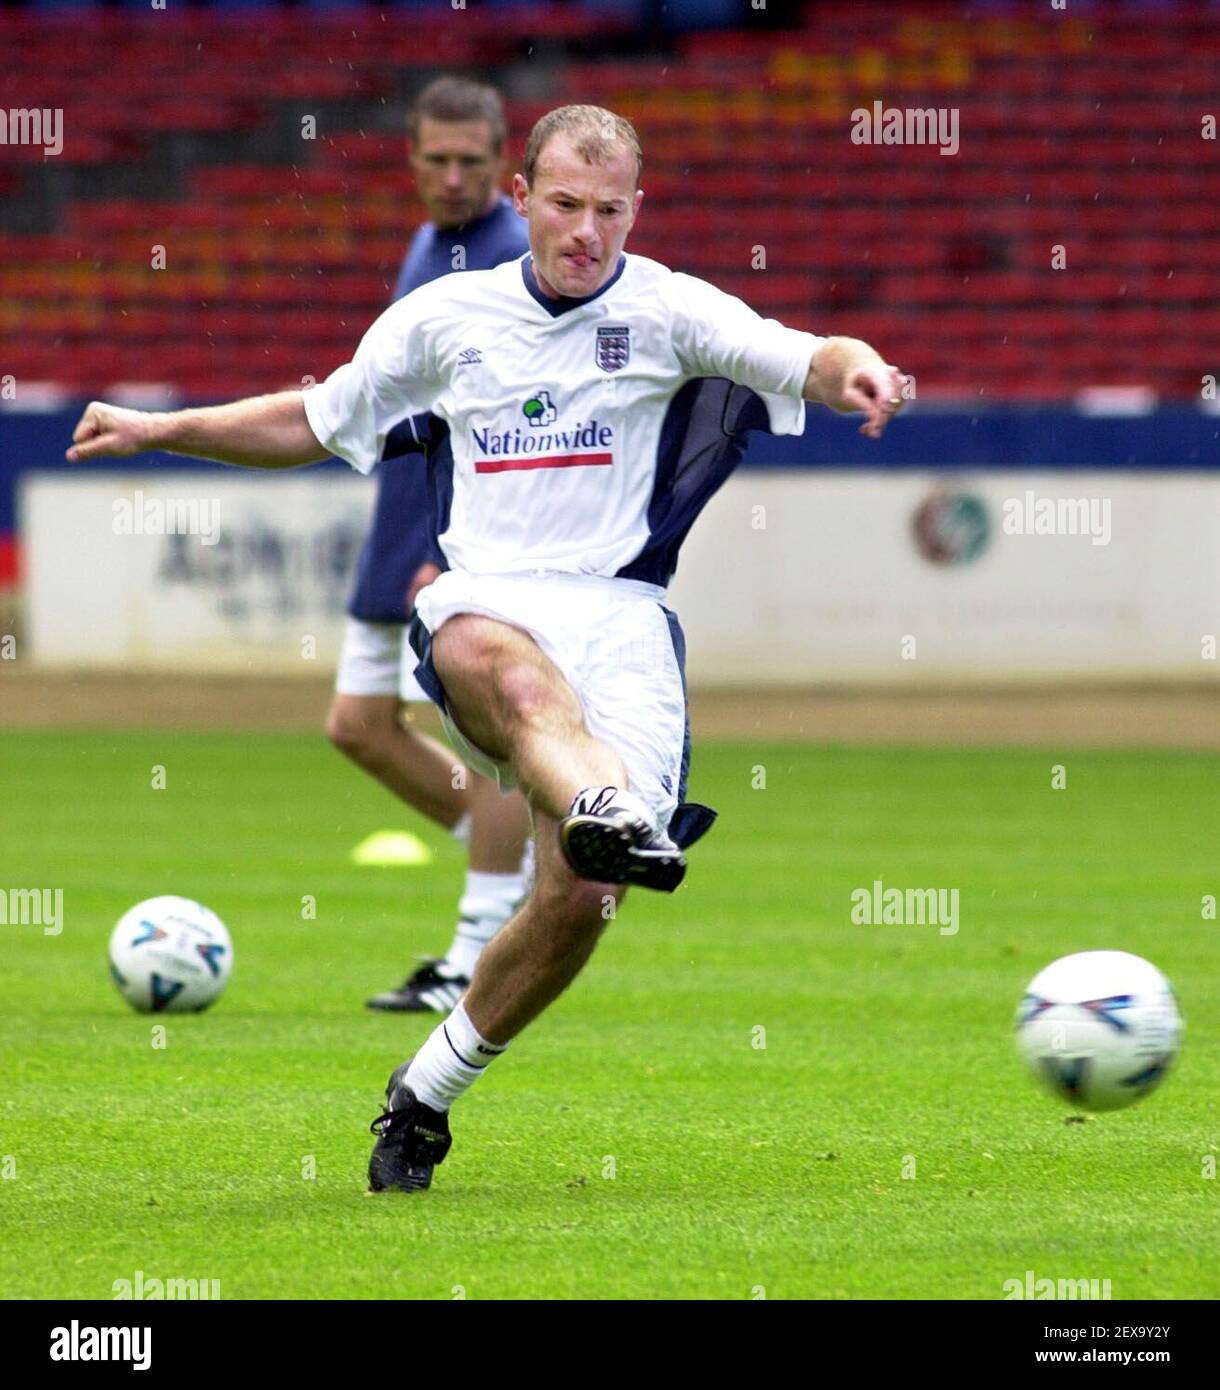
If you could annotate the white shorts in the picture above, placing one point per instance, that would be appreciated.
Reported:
(616, 645)
(372, 659)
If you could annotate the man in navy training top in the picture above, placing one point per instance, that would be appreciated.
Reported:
(457, 131)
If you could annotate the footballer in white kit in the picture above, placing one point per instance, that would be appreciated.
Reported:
(574, 474)
(592, 402)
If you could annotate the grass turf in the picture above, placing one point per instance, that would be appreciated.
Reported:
(634, 1142)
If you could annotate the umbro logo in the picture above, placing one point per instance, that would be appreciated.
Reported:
(468, 357)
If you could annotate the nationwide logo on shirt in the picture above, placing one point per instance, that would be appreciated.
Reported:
(540, 409)
(513, 450)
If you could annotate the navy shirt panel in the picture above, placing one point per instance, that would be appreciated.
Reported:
(403, 533)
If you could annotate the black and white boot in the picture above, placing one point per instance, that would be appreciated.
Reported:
(411, 1139)
(611, 836)
(434, 988)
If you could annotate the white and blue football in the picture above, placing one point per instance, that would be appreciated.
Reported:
(1100, 1028)
(170, 955)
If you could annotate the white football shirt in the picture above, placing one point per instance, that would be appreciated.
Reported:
(557, 410)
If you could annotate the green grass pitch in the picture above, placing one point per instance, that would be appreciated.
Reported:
(634, 1143)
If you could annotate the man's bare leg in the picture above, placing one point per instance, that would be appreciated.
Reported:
(544, 947)
(425, 774)
(499, 827)
(496, 882)
(511, 700)
(428, 776)
(415, 767)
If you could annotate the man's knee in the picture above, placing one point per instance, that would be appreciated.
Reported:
(525, 696)
(498, 661)
(358, 727)
(498, 682)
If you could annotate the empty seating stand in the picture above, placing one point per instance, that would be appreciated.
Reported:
(1069, 240)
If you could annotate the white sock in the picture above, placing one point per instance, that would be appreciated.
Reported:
(488, 902)
(451, 1061)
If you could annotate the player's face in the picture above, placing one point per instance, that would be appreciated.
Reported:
(579, 216)
(457, 169)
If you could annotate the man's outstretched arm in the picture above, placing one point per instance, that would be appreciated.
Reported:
(846, 374)
(260, 432)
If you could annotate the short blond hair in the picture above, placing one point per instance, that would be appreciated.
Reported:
(595, 134)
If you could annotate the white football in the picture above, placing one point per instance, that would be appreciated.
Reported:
(170, 955)
(1099, 1028)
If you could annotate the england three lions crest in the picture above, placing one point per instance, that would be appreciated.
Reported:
(613, 348)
